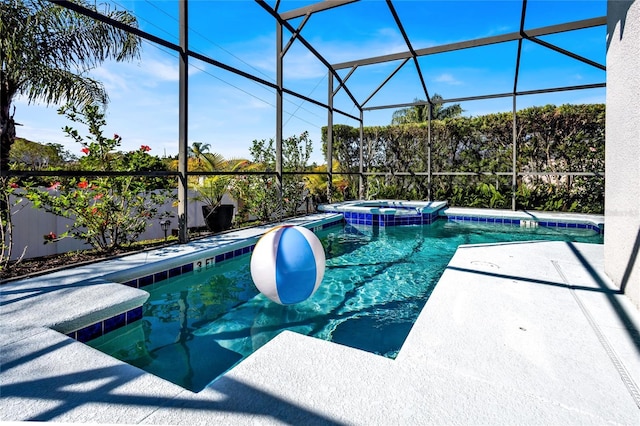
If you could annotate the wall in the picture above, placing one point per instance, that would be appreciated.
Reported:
(622, 156)
(30, 226)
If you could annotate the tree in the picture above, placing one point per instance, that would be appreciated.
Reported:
(30, 155)
(420, 113)
(47, 51)
(198, 148)
(196, 151)
(211, 189)
(260, 192)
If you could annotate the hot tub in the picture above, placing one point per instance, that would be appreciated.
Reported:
(386, 212)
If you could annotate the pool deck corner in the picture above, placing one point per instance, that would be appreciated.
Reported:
(514, 333)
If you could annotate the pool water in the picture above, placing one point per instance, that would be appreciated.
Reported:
(199, 325)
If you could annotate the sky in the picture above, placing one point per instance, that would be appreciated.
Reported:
(228, 112)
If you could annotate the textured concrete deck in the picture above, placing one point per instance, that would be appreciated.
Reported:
(527, 333)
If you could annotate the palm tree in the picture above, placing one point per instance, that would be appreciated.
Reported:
(212, 188)
(197, 151)
(420, 113)
(47, 51)
(198, 148)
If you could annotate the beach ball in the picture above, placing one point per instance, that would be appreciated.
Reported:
(287, 264)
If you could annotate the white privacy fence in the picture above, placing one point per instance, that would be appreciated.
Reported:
(31, 225)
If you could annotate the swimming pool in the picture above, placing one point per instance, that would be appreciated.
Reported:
(200, 324)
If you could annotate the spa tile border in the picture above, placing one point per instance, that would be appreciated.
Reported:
(372, 219)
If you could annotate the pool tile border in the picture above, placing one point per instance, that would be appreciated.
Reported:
(98, 329)
(382, 220)
(156, 277)
(524, 223)
(487, 220)
(357, 218)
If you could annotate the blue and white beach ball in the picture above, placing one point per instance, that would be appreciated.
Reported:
(287, 264)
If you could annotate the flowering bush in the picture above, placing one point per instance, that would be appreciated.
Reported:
(107, 211)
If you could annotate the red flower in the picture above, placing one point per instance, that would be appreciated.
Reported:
(97, 196)
(83, 184)
(85, 150)
(49, 237)
(13, 185)
(94, 210)
(145, 148)
(53, 186)
(116, 136)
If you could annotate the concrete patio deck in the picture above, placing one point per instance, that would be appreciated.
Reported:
(522, 333)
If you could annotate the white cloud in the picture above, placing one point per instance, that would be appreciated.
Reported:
(162, 70)
(299, 64)
(447, 78)
(500, 29)
(388, 32)
(112, 80)
(259, 104)
(151, 71)
(302, 65)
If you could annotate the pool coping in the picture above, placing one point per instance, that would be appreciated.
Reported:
(148, 274)
(87, 301)
(295, 378)
(526, 218)
(116, 308)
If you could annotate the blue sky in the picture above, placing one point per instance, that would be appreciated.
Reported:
(228, 111)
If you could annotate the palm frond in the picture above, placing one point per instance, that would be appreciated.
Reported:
(213, 161)
(56, 86)
(48, 49)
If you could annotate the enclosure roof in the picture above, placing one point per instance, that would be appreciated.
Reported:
(442, 38)
(392, 54)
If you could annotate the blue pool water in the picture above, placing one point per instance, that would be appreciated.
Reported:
(200, 324)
